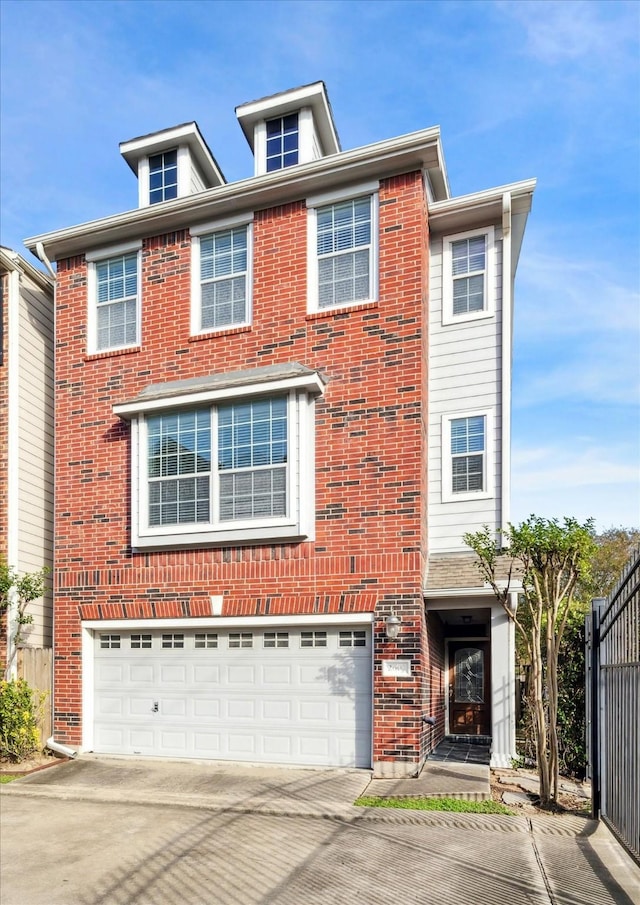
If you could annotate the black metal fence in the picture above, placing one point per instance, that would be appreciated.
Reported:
(613, 707)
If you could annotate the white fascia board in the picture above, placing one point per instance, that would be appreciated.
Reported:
(417, 150)
(487, 196)
(228, 621)
(309, 382)
(454, 594)
(465, 211)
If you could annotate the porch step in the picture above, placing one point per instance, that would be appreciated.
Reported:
(469, 740)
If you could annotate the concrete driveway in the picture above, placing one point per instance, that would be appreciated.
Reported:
(203, 784)
(160, 834)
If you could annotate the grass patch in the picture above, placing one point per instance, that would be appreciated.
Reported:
(457, 805)
(7, 777)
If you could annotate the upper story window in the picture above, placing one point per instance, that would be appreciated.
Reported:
(236, 468)
(469, 279)
(467, 454)
(283, 142)
(466, 451)
(114, 301)
(221, 277)
(343, 252)
(163, 176)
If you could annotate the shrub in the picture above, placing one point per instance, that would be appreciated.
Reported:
(20, 708)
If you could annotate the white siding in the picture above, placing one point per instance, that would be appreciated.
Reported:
(35, 448)
(196, 182)
(464, 376)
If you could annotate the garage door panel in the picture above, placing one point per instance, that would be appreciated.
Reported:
(206, 675)
(209, 708)
(279, 675)
(109, 706)
(173, 673)
(314, 710)
(276, 710)
(109, 673)
(275, 701)
(142, 673)
(241, 675)
(140, 706)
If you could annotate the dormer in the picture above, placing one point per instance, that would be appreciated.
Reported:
(171, 164)
(286, 129)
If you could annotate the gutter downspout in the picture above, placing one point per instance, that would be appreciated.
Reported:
(45, 260)
(506, 353)
(61, 749)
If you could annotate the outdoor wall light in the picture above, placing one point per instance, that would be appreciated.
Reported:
(392, 626)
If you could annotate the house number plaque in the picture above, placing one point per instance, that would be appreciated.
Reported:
(399, 669)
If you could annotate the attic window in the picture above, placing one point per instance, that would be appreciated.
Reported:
(163, 176)
(282, 142)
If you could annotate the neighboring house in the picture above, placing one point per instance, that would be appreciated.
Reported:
(26, 439)
(280, 403)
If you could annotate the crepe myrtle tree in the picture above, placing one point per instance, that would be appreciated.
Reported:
(551, 559)
(16, 593)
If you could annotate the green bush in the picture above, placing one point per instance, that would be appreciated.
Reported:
(19, 711)
(571, 700)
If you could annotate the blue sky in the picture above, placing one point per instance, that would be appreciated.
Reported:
(520, 89)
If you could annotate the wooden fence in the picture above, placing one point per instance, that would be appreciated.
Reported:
(35, 666)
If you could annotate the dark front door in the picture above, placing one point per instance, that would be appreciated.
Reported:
(469, 688)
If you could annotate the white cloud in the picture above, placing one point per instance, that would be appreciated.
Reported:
(593, 482)
(573, 295)
(557, 30)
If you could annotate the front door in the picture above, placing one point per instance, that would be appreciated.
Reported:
(469, 688)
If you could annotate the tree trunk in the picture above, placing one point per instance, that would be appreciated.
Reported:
(540, 721)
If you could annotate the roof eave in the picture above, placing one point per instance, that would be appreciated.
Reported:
(418, 150)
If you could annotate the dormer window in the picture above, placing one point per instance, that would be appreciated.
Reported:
(170, 164)
(291, 128)
(163, 176)
(282, 142)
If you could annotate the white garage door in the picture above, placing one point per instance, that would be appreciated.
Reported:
(288, 695)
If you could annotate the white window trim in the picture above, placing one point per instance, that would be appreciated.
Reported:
(184, 174)
(306, 135)
(448, 496)
(206, 229)
(93, 258)
(323, 200)
(297, 524)
(448, 317)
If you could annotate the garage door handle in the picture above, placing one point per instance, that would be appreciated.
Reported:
(155, 707)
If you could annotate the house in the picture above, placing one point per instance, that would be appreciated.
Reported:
(280, 403)
(26, 460)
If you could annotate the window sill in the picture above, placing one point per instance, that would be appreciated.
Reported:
(466, 497)
(234, 537)
(451, 320)
(111, 353)
(223, 331)
(340, 309)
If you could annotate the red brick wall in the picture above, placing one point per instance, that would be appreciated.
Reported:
(370, 453)
(4, 437)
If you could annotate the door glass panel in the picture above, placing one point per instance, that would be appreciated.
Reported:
(469, 676)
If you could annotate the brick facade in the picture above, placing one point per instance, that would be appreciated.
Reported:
(369, 552)
(4, 449)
